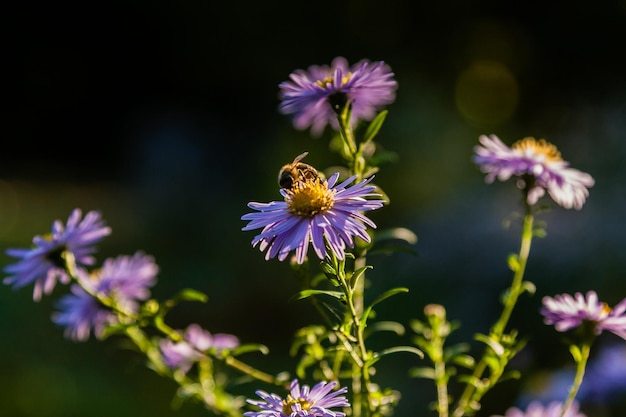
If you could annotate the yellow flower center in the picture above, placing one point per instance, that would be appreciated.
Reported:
(289, 401)
(532, 146)
(329, 80)
(310, 197)
(606, 309)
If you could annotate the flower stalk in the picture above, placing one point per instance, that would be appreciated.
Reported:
(472, 394)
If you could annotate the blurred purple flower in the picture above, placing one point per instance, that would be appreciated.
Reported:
(124, 280)
(567, 312)
(315, 97)
(43, 264)
(320, 212)
(536, 409)
(301, 401)
(196, 341)
(539, 166)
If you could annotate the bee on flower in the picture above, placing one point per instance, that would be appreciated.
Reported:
(314, 210)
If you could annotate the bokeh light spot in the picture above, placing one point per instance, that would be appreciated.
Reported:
(487, 93)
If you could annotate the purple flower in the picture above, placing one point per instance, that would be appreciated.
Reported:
(43, 264)
(301, 401)
(315, 97)
(182, 355)
(567, 312)
(124, 281)
(539, 166)
(536, 409)
(316, 211)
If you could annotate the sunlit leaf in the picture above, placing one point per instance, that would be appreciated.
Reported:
(308, 293)
(425, 372)
(250, 347)
(374, 126)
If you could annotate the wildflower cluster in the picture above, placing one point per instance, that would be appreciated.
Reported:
(327, 211)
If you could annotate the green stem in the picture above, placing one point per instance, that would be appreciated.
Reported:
(441, 382)
(469, 399)
(581, 364)
(361, 377)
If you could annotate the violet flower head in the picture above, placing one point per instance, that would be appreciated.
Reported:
(315, 97)
(196, 342)
(566, 312)
(314, 211)
(124, 281)
(80, 312)
(539, 168)
(536, 409)
(301, 401)
(43, 264)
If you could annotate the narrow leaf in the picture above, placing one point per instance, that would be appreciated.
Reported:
(513, 262)
(249, 347)
(396, 233)
(493, 344)
(308, 293)
(380, 298)
(428, 373)
(374, 127)
(386, 326)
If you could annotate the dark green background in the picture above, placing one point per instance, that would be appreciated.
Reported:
(163, 115)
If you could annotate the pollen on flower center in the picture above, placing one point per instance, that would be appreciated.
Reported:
(329, 80)
(289, 401)
(308, 198)
(538, 147)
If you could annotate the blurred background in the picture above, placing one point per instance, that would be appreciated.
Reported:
(163, 116)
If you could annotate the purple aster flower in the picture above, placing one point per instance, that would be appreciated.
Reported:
(316, 211)
(301, 401)
(80, 312)
(315, 97)
(567, 312)
(125, 280)
(43, 264)
(536, 409)
(539, 166)
(182, 355)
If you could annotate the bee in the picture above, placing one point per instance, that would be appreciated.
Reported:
(290, 174)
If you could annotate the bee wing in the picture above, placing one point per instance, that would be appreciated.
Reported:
(300, 157)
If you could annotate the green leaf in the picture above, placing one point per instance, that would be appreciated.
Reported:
(186, 294)
(380, 298)
(374, 127)
(452, 351)
(513, 262)
(378, 356)
(396, 233)
(391, 249)
(465, 361)
(529, 287)
(510, 375)
(576, 353)
(493, 344)
(358, 273)
(397, 349)
(308, 293)
(418, 326)
(386, 326)
(249, 347)
(425, 372)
